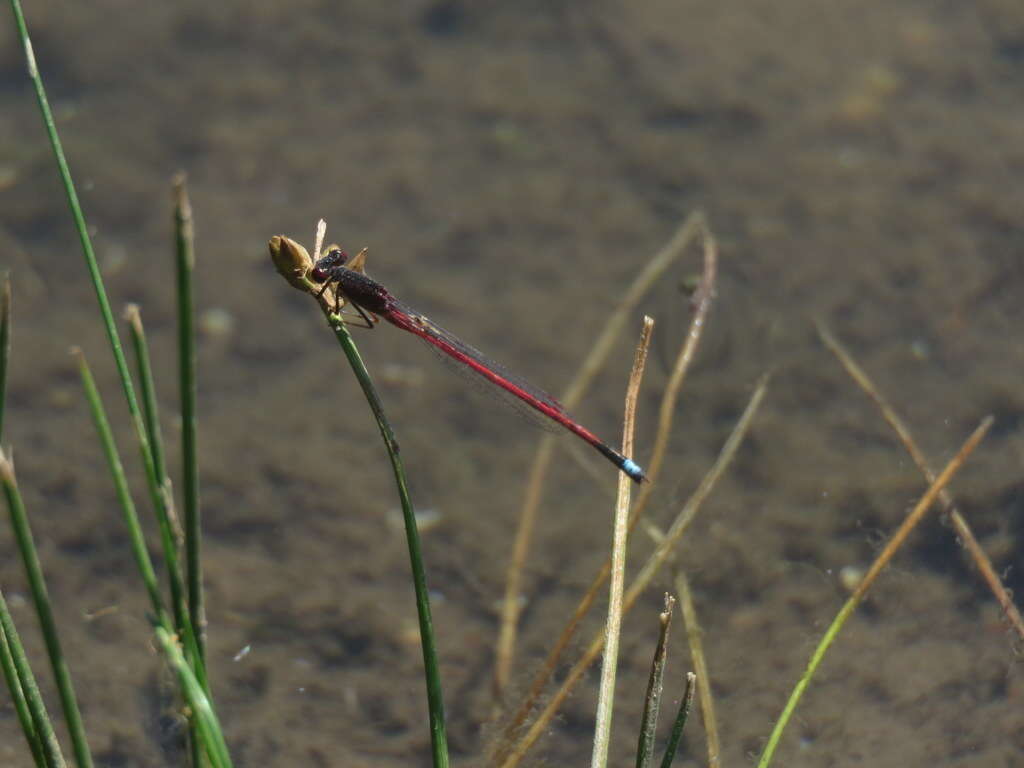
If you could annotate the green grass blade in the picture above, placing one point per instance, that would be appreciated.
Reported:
(185, 264)
(652, 701)
(881, 561)
(75, 206)
(142, 559)
(293, 263)
(152, 422)
(680, 723)
(435, 699)
(158, 494)
(5, 346)
(6, 658)
(14, 671)
(37, 585)
(150, 411)
(210, 735)
(143, 562)
(124, 497)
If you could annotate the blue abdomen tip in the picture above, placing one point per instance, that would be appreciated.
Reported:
(633, 469)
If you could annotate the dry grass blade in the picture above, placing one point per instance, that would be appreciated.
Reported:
(926, 501)
(657, 559)
(613, 628)
(656, 267)
(963, 530)
(702, 302)
(700, 667)
(887, 553)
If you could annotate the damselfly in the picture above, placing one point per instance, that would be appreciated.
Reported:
(373, 301)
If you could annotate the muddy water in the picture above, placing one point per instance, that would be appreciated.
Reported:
(511, 168)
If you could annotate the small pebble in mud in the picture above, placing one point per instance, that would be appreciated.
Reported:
(8, 176)
(850, 577)
(217, 323)
(920, 350)
(866, 100)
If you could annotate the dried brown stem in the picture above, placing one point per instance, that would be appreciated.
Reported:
(693, 635)
(960, 525)
(693, 226)
(911, 520)
(685, 516)
(702, 302)
(887, 553)
(613, 627)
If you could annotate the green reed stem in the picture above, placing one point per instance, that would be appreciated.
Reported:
(20, 680)
(76, 209)
(881, 561)
(135, 534)
(124, 496)
(185, 265)
(207, 725)
(17, 673)
(37, 585)
(435, 698)
(142, 559)
(680, 722)
(147, 389)
(157, 493)
(655, 685)
(5, 345)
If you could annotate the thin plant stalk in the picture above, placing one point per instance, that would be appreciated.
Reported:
(73, 203)
(185, 266)
(143, 562)
(76, 213)
(293, 262)
(20, 681)
(613, 627)
(702, 301)
(151, 411)
(194, 692)
(960, 525)
(648, 276)
(435, 698)
(680, 722)
(515, 754)
(184, 241)
(17, 673)
(689, 511)
(5, 345)
(655, 685)
(147, 389)
(41, 599)
(156, 493)
(700, 667)
(887, 553)
(159, 493)
(135, 534)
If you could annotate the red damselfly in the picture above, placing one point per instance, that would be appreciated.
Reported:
(373, 301)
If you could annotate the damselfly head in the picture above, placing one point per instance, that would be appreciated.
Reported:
(333, 257)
